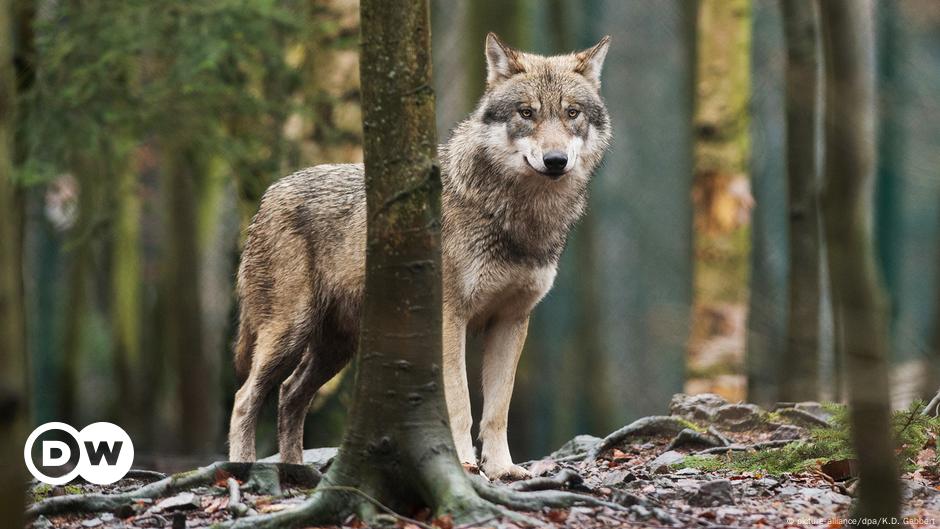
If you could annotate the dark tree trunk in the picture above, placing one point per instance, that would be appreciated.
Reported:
(800, 371)
(14, 403)
(848, 43)
(398, 446)
(199, 422)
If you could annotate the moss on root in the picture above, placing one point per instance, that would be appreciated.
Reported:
(833, 443)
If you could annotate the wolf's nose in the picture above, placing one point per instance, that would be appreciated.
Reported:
(555, 161)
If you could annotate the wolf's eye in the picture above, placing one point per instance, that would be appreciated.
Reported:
(573, 113)
(526, 113)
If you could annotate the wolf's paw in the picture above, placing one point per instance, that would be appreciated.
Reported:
(508, 472)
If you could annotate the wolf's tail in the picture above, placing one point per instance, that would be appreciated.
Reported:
(244, 347)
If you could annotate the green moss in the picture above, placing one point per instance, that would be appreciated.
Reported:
(41, 492)
(73, 489)
(825, 444)
(691, 425)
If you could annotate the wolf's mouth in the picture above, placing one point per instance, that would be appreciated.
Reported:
(554, 175)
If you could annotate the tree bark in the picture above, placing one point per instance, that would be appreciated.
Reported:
(849, 56)
(800, 372)
(721, 188)
(14, 401)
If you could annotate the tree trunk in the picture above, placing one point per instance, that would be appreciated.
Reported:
(398, 446)
(199, 421)
(848, 43)
(14, 402)
(721, 191)
(126, 306)
(800, 372)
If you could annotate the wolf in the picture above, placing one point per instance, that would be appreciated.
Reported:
(514, 177)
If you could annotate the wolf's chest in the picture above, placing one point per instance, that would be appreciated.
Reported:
(488, 287)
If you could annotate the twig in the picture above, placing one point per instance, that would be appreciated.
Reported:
(235, 505)
(932, 405)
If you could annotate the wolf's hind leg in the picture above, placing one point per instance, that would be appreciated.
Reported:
(322, 360)
(276, 351)
(502, 347)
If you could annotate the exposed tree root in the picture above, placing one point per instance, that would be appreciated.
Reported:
(565, 478)
(654, 425)
(743, 448)
(300, 475)
(536, 500)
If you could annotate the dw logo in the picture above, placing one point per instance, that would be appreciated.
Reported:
(101, 453)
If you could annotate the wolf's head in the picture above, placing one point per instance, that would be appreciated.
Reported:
(544, 116)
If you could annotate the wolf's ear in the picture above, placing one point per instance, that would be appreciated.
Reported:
(591, 61)
(502, 62)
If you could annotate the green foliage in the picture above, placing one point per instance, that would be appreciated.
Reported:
(111, 75)
(41, 492)
(833, 443)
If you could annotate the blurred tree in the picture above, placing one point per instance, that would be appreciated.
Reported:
(800, 372)
(767, 299)
(721, 192)
(14, 400)
(847, 205)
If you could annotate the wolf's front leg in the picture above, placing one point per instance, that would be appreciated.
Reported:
(502, 348)
(456, 391)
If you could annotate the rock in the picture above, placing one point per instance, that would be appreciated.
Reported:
(824, 496)
(738, 417)
(94, 522)
(787, 432)
(318, 457)
(581, 444)
(699, 407)
(663, 463)
(815, 409)
(688, 471)
(617, 478)
(627, 499)
(41, 522)
(543, 467)
(182, 501)
(713, 493)
(689, 437)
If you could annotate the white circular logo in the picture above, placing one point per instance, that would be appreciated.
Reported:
(105, 453)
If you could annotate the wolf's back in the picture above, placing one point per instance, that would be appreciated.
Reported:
(302, 244)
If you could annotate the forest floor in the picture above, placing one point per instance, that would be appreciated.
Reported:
(708, 464)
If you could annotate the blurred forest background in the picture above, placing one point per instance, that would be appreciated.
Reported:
(148, 131)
